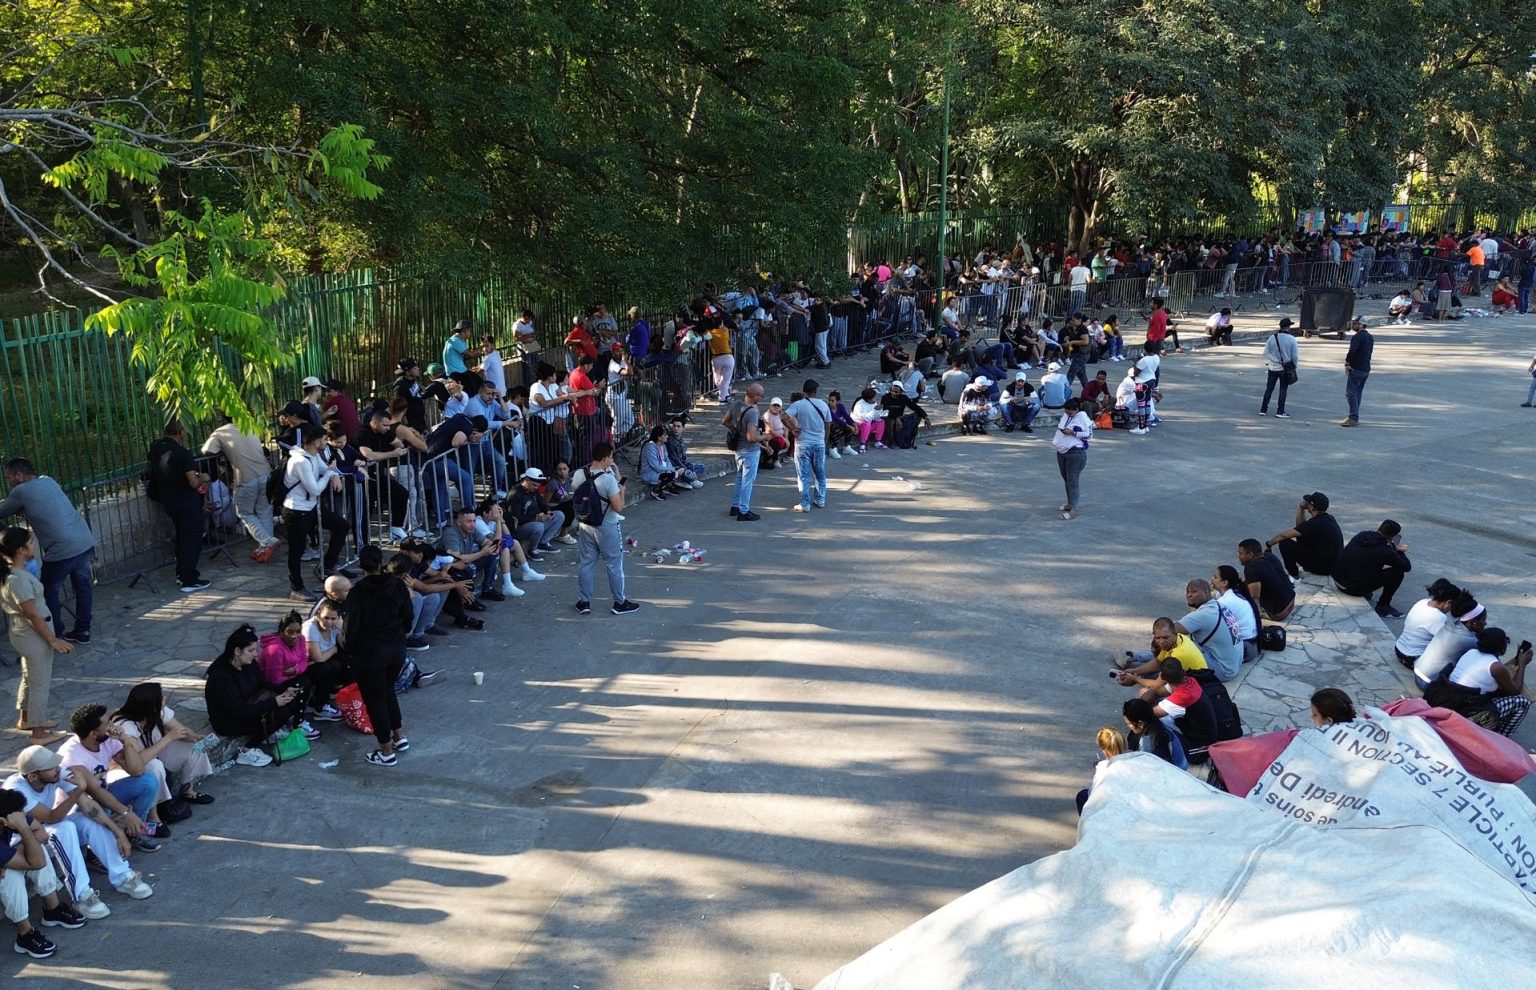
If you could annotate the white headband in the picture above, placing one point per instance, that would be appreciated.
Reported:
(1464, 619)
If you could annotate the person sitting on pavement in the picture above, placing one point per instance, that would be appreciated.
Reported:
(1218, 328)
(1096, 394)
(1401, 307)
(77, 813)
(240, 704)
(96, 745)
(1235, 595)
(689, 472)
(953, 382)
(1504, 298)
(892, 357)
(491, 526)
(1482, 688)
(1214, 630)
(1021, 337)
(870, 419)
(1427, 616)
(1374, 560)
(1050, 344)
(1169, 688)
(150, 728)
(912, 383)
(1266, 580)
(1055, 389)
(976, 409)
(1167, 642)
(776, 437)
(1125, 399)
(904, 415)
(1314, 542)
(1111, 743)
(478, 556)
(1148, 734)
(1450, 641)
(1018, 405)
(284, 663)
(327, 670)
(1330, 706)
(530, 518)
(25, 869)
(430, 574)
(931, 355)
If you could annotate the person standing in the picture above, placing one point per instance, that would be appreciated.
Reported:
(379, 618)
(721, 360)
(492, 368)
(1357, 368)
(527, 345)
(305, 478)
(821, 327)
(456, 350)
(1476, 265)
(247, 458)
(812, 417)
(598, 534)
(32, 636)
(175, 482)
(1073, 431)
(742, 437)
(1280, 357)
(66, 540)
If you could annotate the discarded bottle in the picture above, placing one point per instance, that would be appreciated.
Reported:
(686, 558)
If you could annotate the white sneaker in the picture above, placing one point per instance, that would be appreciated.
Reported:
(529, 574)
(253, 758)
(1137, 432)
(511, 590)
(91, 907)
(695, 484)
(135, 887)
(310, 732)
(834, 454)
(398, 535)
(849, 450)
(567, 539)
(311, 554)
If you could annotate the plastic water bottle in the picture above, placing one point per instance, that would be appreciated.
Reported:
(686, 558)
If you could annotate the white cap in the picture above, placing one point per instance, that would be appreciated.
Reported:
(984, 382)
(1021, 377)
(776, 402)
(1054, 366)
(310, 382)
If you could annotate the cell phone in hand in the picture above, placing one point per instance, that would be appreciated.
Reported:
(1116, 673)
(1525, 644)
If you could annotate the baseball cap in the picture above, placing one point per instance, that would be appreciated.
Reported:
(293, 408)
(407, 363)
(1054, 366)
(35, 758)
(1286, 322)
(534, 474)
(1318, 500)
(434, 368)
(463, 325)
(898, 387)
(1021, 377)
(311, 382)
(984, 382)
(776, 401)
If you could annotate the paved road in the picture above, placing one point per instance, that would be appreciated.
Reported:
(836, 725)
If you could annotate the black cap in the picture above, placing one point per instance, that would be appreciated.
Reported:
(1286, 322)
(1317, 500)
(407, 363)
(293, 408)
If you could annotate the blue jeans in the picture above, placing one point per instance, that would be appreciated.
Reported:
(605, 542)
(746, 475)
(1071, 464)
(1077, 368)
(811, 463)
(137, 793)
(1019, 413)
(77, 570)
(1524, 306)
(443, 472)
(1352, 389)
(1530, 396)
(485, 453)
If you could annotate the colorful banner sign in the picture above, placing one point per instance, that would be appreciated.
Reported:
(1395, 218)
(1312, 220)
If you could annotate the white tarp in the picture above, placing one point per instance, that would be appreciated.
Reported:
(1174, 884)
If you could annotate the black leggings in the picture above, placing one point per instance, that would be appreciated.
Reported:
(376, 675)
(300, 524)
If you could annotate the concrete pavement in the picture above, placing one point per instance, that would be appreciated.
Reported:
(835, 725)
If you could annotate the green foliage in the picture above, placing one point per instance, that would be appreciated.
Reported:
(207, 295)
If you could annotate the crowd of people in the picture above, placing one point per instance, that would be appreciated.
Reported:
(472, 481)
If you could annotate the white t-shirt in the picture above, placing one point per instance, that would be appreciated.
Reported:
(493, 371)
(1490, 248)
(1474, 670)
(1400, 300)
(1217, 320)
(549, 393)
(527, 337)
(1419, 627)
(314, 634)
(74, 754)
(1247, 622)
(1081, 428)
(46, 798)
(1147, 367)
(1125, 393)
(1080, 276)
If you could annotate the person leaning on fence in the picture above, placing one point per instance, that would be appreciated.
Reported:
(175, 482)
(247, 457)
(305, 479)
(63, 536)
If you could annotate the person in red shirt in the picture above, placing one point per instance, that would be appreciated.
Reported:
(1445, 245)
(1097, 394)
(1157, 323)
(579, 341)
(336, 402)
(583, 395)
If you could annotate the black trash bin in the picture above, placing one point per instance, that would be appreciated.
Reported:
(1326, 310)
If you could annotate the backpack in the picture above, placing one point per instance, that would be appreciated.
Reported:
(732, 430)
(278, 487)
(1272, 638)
(1229, 721)
(591, 506)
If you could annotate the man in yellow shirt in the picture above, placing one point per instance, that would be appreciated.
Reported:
(1477, 260)
(1144, 668)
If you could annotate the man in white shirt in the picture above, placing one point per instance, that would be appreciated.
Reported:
(1218, 328)
(247, 457)
(96, 745)
(527, 345)
(78, 812)
(492, 368)
(1079, 278)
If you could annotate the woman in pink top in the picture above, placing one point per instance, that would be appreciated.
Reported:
(283, 659)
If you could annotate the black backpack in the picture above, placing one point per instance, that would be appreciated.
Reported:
(1229, 722)
(591, 505)
(278, 487)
